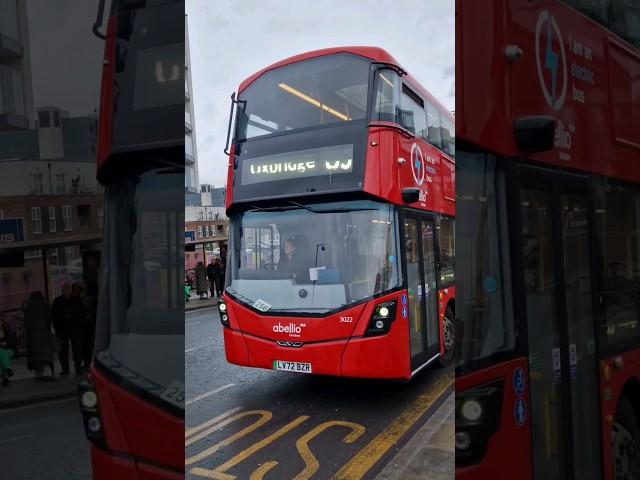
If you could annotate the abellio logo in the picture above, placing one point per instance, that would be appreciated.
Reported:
(551, 61)
(417, 164)
(292, 329)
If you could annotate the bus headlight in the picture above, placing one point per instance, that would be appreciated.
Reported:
(89, 399)
(463, 440)
(94, 425)
(89, 407)
(471, 410)
(383, 315)
(478, 413)
(222, 307)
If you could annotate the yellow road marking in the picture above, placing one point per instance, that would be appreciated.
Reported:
(261, 471)
(310, 460)
(264, 415)
(218, 473)
(366, 458)
(208, 423)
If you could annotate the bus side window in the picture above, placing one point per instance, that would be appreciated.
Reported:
(433, 126)
(412, 112)
(448, 137)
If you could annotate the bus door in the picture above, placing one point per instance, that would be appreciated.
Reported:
(559, 304)
(420, 250)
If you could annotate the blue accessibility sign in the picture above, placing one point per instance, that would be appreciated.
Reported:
(520, 412)
(518, 381)
(404, 312)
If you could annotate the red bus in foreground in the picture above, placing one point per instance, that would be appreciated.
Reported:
(548, 207)
(133, 404)
(341, 205)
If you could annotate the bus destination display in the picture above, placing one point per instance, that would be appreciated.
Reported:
(312, 162)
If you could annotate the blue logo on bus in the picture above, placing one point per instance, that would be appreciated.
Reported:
(518, 381)
(404, 312)
(520, 412)
(404, 299)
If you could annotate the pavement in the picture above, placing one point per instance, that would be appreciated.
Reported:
(196, 303)
(25, 390)
(253, 423)
(44, 441)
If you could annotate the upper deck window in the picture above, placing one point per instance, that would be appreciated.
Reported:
(319, 91)
(620, 16)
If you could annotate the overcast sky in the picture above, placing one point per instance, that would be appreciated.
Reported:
(231, 39)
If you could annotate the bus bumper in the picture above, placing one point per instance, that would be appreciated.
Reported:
(374, 357)
(107, 466)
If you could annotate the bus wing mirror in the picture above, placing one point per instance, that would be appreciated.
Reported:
(535, 134)
(410, 195)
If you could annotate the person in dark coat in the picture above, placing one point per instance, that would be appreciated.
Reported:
(201, 280)
(67, 315)
(211, 275)
(37, 321)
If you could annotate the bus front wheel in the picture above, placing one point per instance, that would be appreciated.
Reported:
(626, 442)
(449, 337)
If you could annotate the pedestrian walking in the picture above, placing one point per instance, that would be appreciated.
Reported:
(201, 280)
(40, 345)
(66, 314)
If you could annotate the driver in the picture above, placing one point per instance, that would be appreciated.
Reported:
(292, 261)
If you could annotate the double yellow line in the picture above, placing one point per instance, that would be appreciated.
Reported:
(366, 458)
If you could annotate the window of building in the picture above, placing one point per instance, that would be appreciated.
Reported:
(67, 218)
(70, 253)
(52, 219)
(60, 183)
(36, 220)
(83, 216)
(44, 120)
(38, 182)
(200, 215)
(200, 230)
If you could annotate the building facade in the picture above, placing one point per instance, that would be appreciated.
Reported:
(190, 150)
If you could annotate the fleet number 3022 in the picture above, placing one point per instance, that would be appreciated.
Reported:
(346, 319)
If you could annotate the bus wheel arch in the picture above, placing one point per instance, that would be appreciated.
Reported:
(625, 442)
(449, 334)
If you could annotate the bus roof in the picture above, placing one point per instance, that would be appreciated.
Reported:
(373, 53)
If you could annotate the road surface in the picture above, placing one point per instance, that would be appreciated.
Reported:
(252, 424)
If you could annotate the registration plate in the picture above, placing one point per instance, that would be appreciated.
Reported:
(298, 367)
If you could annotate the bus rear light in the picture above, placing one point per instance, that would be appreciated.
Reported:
(89, 407)
(478, 413)
(383, 315)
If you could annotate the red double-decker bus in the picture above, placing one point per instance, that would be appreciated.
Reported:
(548, 204)
(341, 206)
(133, 404)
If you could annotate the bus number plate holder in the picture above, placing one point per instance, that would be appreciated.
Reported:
(297, 367)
